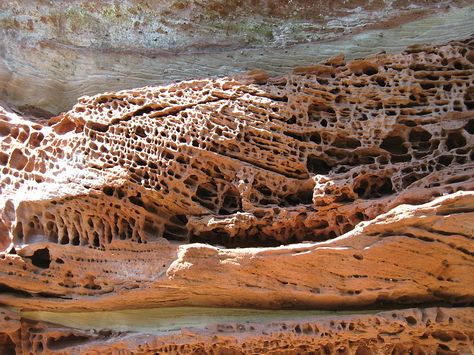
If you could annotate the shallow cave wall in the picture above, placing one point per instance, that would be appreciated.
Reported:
(359, 172)
(303, 157)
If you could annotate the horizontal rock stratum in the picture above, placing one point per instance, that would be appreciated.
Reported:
(339, 185)
(409, 331)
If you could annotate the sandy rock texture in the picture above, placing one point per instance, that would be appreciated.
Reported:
(52, 52)
(345, 184)
(176, 25)
(409, 255)
(409, 331)
(100, 203)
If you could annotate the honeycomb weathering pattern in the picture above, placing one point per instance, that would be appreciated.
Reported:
(436, 330)
(99, 205)
(244, 161)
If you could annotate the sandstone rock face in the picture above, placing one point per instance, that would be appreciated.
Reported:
(52, 52)
(410, 255)
(251, 160)
(351, 184)
(175, 25)
(436, 330)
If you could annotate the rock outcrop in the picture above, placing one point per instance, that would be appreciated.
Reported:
(436, 330)
(351, 184)
(410, 255)
(52, 52)
(251, 160)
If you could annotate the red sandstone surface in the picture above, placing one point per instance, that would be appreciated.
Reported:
(343, 184)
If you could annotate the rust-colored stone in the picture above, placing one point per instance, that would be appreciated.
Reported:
(436, 330)
(362, 171)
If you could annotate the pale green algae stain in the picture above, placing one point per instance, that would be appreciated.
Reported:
(175, 318)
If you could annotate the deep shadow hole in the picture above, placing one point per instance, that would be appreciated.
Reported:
(41, 258)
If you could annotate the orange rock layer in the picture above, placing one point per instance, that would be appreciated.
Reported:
(410, 255)
(410, 331)
(244, 161)
(362, 171)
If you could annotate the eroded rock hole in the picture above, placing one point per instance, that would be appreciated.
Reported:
(109, 191)
(371, 186)
(97, 126)
(176, 228)
(96, 241)
(151, 229)
(394, 145)
(317, 112)
(18, 160)
(316, 165)
(4, 129)
(469, 127)
(136, 200)
(41, 258)
(75, 239)
(303, 197)
(220, 237)
(3, 158)
(315, 138)
(420, 137)
(139, 131)
(455, 140)
(67, 341)
(144, 110)
(381, 81)
(214, 237)
(206, 195)
(231, 202)
(370, 70)
(300, 137)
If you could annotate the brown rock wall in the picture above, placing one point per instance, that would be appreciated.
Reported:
(415, 331)
(351, 184)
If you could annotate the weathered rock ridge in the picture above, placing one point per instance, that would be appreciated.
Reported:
(52, 52)
(351, 184)
(410, 331)
(251, 160)
(410, 255)
(244, 161)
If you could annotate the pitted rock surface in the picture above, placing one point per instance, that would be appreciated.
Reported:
(369, 162)
(436, 330)
(413, 254)
(245, 161)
